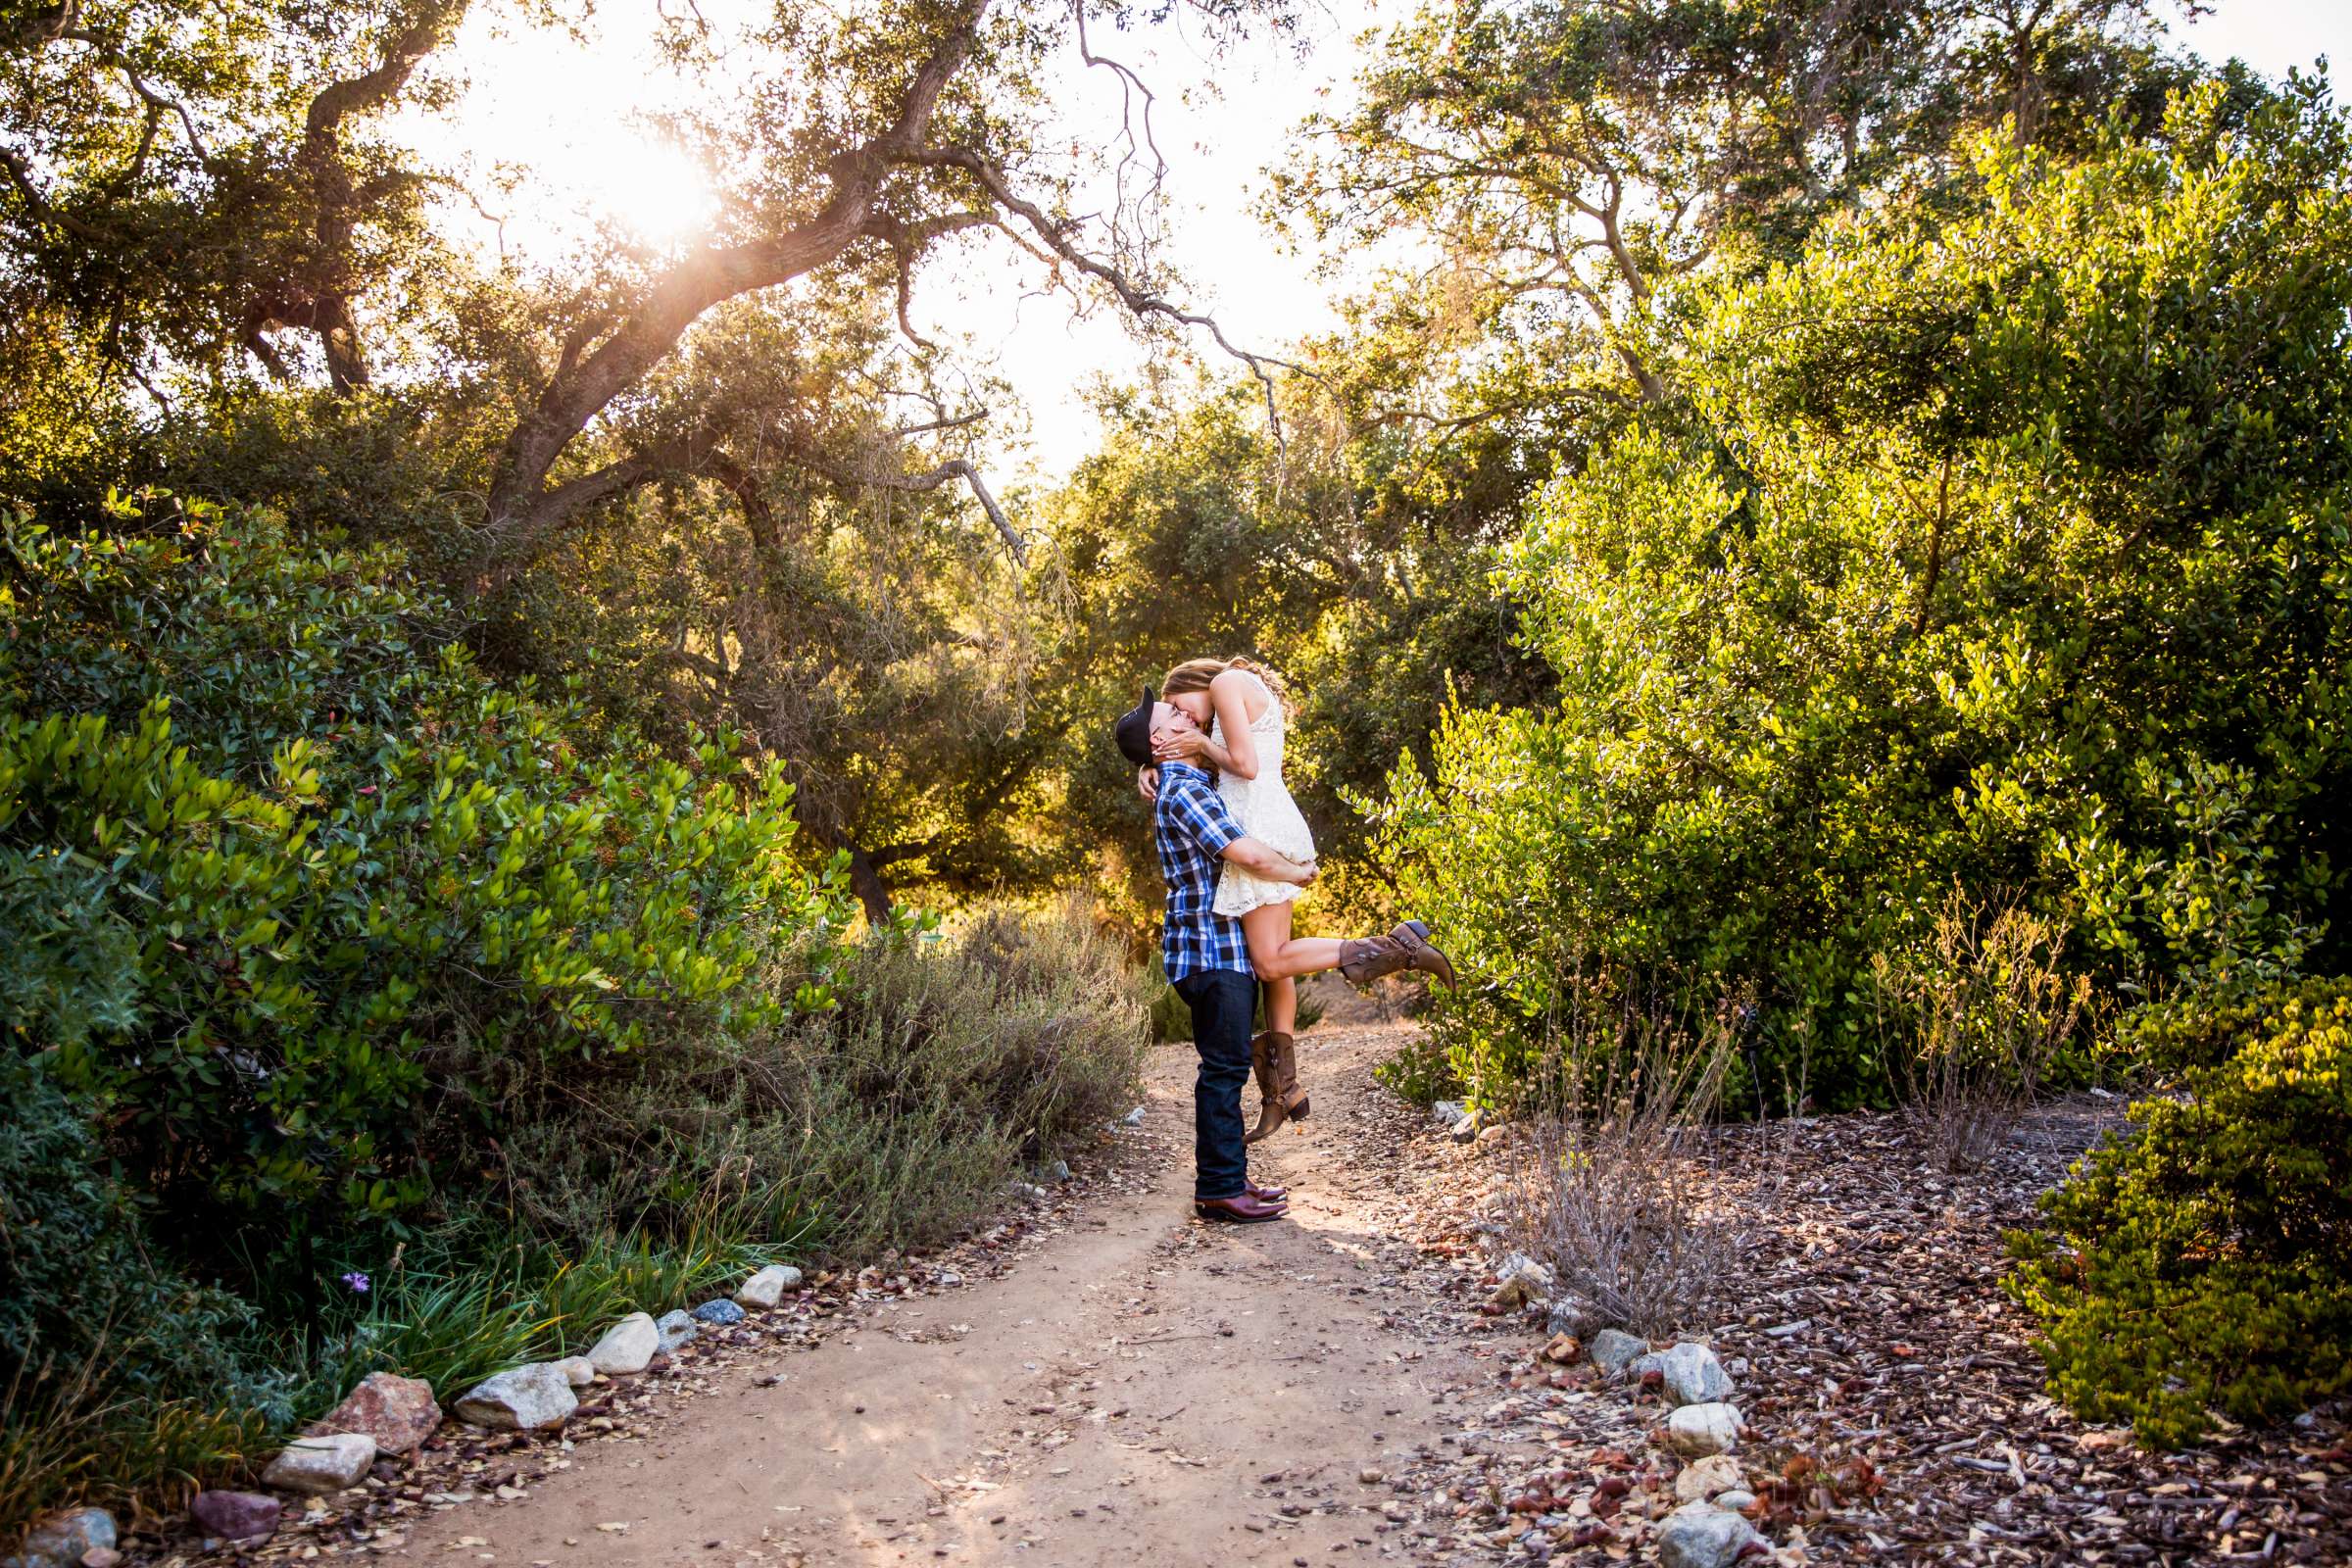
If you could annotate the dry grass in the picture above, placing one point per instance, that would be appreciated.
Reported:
(1618, 1184)
(1972, 1024)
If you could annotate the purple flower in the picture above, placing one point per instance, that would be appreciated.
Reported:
(357, 1280)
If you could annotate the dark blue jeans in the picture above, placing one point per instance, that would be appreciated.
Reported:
(1224, 1005)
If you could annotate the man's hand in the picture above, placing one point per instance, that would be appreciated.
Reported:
(1147, 784)
(1260, 858)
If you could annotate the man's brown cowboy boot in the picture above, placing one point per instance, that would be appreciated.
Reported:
(1363, 959)
(1279, 1097)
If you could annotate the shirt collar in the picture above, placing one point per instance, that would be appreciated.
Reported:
(1174, 766)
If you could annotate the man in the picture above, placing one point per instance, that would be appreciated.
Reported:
(1207, 959)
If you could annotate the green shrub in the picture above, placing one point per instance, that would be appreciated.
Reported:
(2006, 551)
(117, 1369)
(377, 899)
(2204, 1260)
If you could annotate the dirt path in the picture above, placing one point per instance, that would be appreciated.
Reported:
(1140, 1384)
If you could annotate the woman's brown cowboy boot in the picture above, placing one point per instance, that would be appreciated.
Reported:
(1363, 959)
(1278, 1097)
(1270, 1109)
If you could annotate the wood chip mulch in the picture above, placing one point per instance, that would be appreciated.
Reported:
(1896, 1406)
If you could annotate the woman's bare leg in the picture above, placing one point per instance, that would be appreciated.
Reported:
(1276, 955)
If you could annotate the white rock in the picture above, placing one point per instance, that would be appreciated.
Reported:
(523, 1400)
(577, 1370)
(1704, 1537)
(768, 1286)
(1135, 1118)
(320, 1465)
(676, 1328)
(1612, 1349)
(1705, 1478)
(1448, 1111)
(1692, 1374)
(1700, 1428)
(627, 1346)
(1735, 1501)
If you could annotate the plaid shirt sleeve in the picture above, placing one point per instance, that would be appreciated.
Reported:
(1199, 812)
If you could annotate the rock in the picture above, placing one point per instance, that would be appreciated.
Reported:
(1521, 1280)
(320, 1465)
(768, 1286)
(1060, 1172)
(1564, 1350)
(1704, 1537)
(527, 1398)
(62, 1539)
(577, 1370)
(1612, 1349)
(1135, 1118)
(1701, 1429)
(1737, 1500)
(627, 1346)
(235, 1515)
(1449, 1112)
(1571, 1313)
(1705, 1478)
(398, 1412)
(675, 1329)
(718, 1314)
(1689, 1373)
(100, 1557)
(1466, 1130)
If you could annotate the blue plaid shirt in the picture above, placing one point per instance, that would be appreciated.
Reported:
(1190, 826)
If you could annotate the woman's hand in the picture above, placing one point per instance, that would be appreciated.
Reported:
(1147, 784)
(1183, 746)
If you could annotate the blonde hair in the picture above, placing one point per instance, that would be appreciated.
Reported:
(1195, 674)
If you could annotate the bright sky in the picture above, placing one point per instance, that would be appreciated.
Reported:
(546, 100)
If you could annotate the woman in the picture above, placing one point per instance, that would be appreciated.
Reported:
(1238, 704)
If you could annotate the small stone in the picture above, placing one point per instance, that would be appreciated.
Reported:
(718, 1314)
(1737, 1500)
(398, 1412)
(100, 1557)
(235, 1515)
(1612, 1349)
(1059, 1171)
(768, 1286)
(320, 1465)
(1370, 1477)
(1704, 1537)
(1564, 1350)
(1703, 1429)
(1466, 1130)
(676, 1329)
(628, 1345)
(1520, 1280)
(1135, 1118)
(577, 1370)
(1689, 1372)
(1705, 1478)
(1571, 1313)
(1448, 1111)
(527, 1398)
(62, 1539)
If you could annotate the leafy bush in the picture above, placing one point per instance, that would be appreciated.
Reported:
(379, 895)
(115, 1367)
(2204, 1260)
(952, 1064)
(2009, 554)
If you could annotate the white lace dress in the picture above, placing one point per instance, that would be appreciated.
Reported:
(1263, 807)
